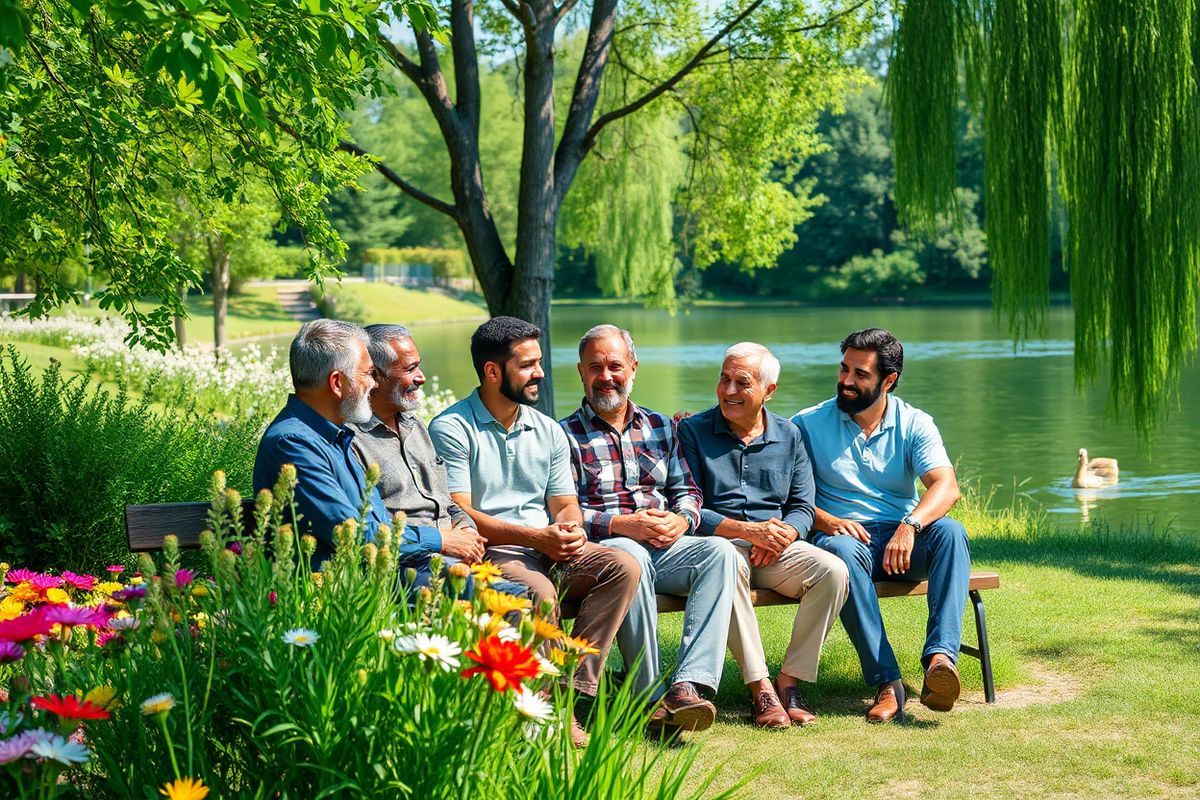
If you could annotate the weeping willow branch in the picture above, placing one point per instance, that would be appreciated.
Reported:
(1024, 89)
(1131, 178)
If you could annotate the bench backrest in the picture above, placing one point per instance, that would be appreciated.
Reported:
(146, 526)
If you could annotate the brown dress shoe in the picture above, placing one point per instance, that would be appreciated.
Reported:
(687, 710)
(798, 709)
(767, 711)
(579, 736)
(889, 703)
(942, 685)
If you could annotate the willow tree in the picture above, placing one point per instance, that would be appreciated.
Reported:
(1105, 92)
(747, 77)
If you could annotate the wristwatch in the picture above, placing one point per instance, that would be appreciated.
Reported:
(908, 520)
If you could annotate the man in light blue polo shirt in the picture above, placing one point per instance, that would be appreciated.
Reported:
(508, 466)
(868, 448)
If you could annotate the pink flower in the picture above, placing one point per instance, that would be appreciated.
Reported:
(235, 548)
(10, 652)
(273, 597)
(115, 569)
(26, 626)
(84, 583)
(129, 593)
(184, 578)
(66, 615)
(20, 575)
(106, 636)
(45, 582)
(20, 745)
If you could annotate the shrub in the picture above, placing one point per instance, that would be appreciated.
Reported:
(72, 456)
(266, 680)
(871, 277)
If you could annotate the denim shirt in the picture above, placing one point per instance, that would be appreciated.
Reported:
(770, 477)
(330, 480)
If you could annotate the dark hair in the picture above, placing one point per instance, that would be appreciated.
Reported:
(888, 351)
(494, 340)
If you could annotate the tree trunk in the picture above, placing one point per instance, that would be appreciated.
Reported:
(219, 261)
(19, 283)
(180, 331)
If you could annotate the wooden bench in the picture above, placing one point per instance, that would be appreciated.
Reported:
(147, 525)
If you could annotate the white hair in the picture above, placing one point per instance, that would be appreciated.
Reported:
(768, 364)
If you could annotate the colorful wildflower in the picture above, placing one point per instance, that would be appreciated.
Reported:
(235, 548)
(129, 593)
(106, 636)
(547, 667)
(26, 593)
(21, 575)
(301, 637)
(20, 745)
(103, 696)
(501, 603)
(55, 595)
(437, 650)
(108, 587)
(272, 597)
(69, 707)
(532, 706)
(485, 572)
(84, 583)
(115, 569)
(503, 664)
(64, 751)
(185, 789)
(546, 630)
(184, 578)
(578, 646)
(44, 582)
(66, 615)
(26, 627)
(10, 652)
(158, 704)
(124, 623)
(11, 608)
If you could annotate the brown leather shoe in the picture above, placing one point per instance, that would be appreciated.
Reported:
(687, 710)
(889, 704)
(579, 736)
(767, 711)
(942, 685)
(797, 706)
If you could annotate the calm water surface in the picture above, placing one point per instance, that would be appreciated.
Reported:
(1011, 419)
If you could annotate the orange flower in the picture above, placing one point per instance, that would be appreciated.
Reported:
(504, 664)
(578, 646)
(547, 630)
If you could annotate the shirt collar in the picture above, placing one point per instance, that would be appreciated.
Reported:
(770, 431)
(334, 434)
(483, 417)
(637, 417)
(891, 416)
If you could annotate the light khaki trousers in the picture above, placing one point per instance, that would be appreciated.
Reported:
(818, 579)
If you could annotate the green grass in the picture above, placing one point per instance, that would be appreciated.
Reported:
(1095, 638)
(384, 302)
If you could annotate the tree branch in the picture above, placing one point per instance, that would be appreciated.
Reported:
(404, 186)
(403, 63)
(670, 83)
(845, 12)
(466, 63)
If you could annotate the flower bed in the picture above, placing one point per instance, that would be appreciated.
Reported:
(263, 679)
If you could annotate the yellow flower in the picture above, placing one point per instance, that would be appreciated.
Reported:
(103, 696)
(578, 645)
(201, 619)
(108, 587)
(185, 789)
(500, 603)
(485, 572)
(56, 595)
(199, 590)
(318, 578)
(136, 579)
(11, 608)
(158, 704)
(547, 630)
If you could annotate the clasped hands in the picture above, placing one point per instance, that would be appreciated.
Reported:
(655, 527)
(767, 540)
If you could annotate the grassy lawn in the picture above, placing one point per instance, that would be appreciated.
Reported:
(384, 302)
(1096, 647)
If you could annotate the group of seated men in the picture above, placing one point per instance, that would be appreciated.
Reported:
(617, 503)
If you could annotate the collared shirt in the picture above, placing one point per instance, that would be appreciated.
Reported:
(769, 477)
(330, 482)
(412, 477)
(635, 468)
(870, 478)
(508, 473)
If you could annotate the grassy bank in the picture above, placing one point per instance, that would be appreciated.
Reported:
(1096, 644)
(384, 302)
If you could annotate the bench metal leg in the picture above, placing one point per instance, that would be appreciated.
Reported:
(984, 653)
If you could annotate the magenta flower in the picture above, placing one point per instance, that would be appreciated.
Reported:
(20, 575)
(26, 626)
(272, 597)
(184, 578)
(84, 583)
(66, 615)
(10, 652)
(22, 744)
(45, 582)
(235, 548)
(129, 593)
(115, 569)
(106, 636)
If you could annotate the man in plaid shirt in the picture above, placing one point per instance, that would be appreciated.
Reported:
(637, 494)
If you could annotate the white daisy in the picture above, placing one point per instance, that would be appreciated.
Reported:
(301, 637)
(532, 706)
(547, 667)
(437, 649)
(509, 634)
(387, 634)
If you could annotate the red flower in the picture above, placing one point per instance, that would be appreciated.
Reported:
(26, 626)
(504, 664)
(69, 707)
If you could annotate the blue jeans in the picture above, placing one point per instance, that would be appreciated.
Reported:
(705, 569)
(940, 555)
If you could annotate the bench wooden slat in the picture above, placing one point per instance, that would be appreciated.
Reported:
(765, 597)
(147, 525)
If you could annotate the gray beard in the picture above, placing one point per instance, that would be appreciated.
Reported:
(356, 409)
(608, 403)
(408, 402)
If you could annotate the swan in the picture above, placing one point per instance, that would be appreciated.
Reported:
(1094, 473)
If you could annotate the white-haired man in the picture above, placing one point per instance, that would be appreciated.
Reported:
(754, 473)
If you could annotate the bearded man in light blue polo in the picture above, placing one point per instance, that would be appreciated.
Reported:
(868, 449)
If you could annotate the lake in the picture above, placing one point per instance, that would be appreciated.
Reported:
(1010, 418)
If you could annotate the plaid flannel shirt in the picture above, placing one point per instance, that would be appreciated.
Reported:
(620, 472)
